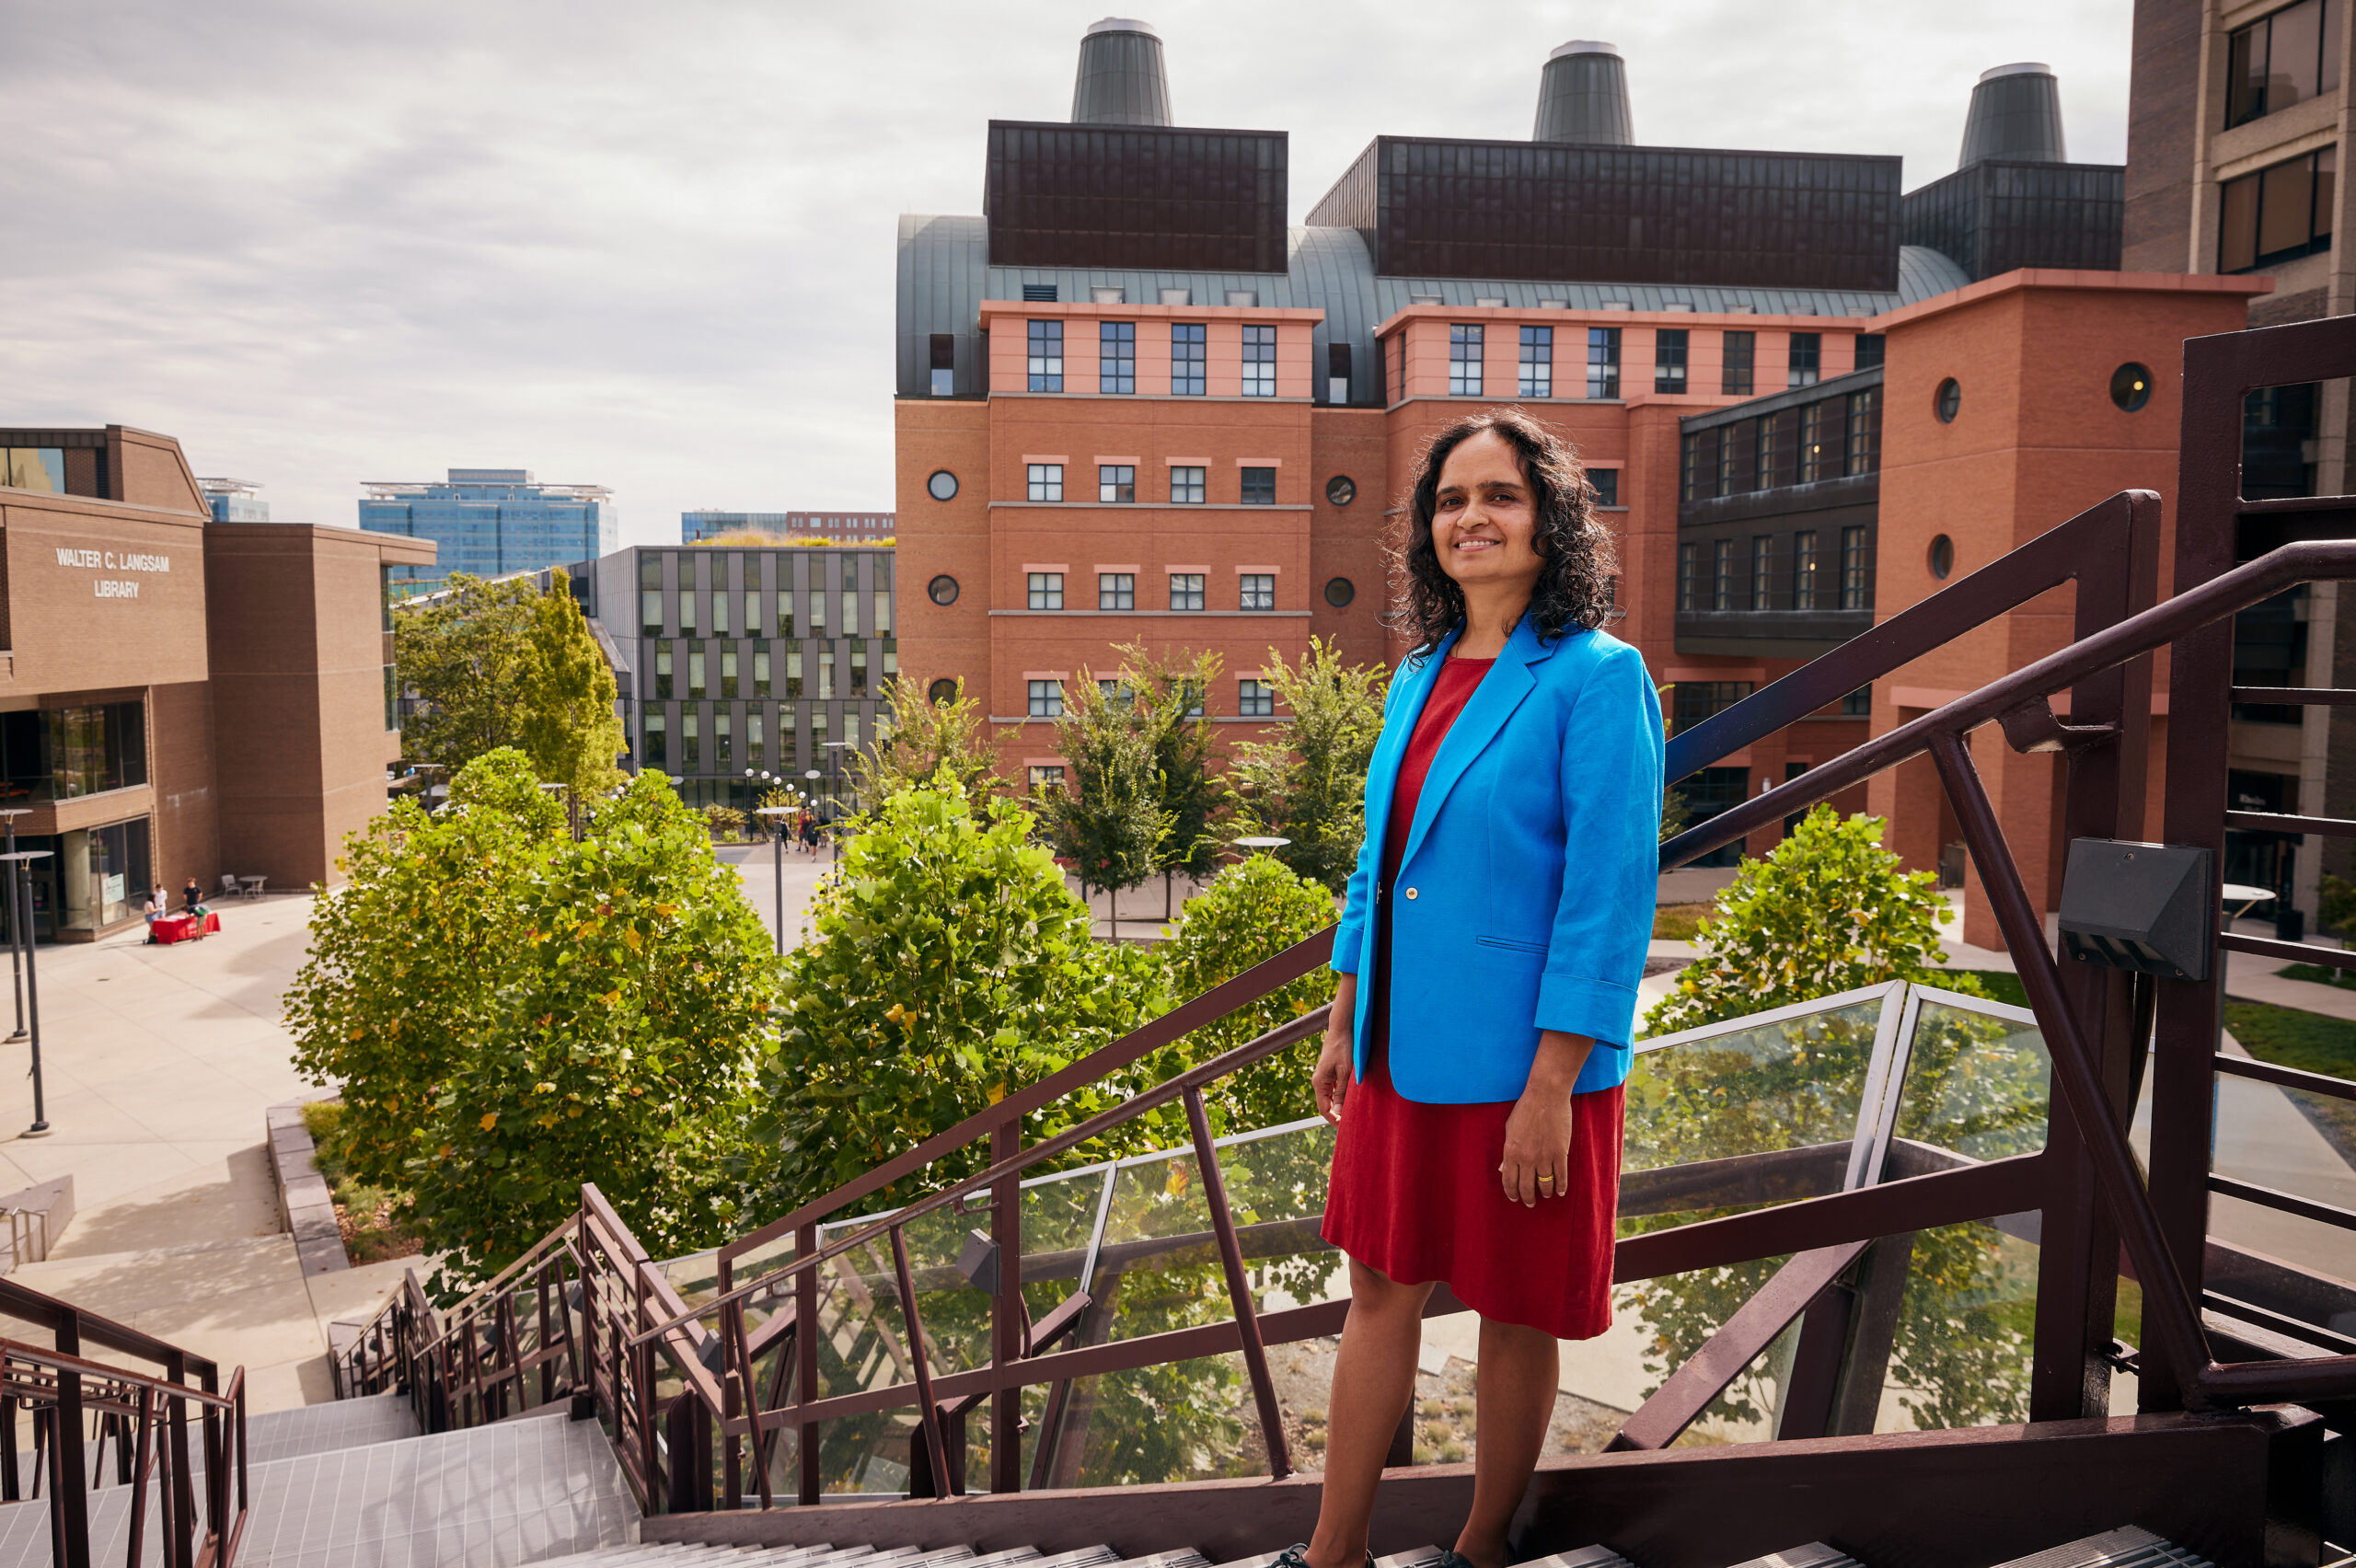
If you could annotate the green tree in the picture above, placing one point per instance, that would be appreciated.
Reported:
(1251, 911)
(925, 737)
(1171, 706)
(1108, 820)
(1309, 784)
(465, 652)
(567, 725)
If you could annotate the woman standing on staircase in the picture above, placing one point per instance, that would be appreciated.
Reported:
(1489, 950)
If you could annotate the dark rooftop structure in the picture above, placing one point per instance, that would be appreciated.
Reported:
(1135, 196)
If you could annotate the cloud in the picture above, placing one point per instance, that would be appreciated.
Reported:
(651, 246)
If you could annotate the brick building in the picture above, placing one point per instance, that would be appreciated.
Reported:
(181, 696)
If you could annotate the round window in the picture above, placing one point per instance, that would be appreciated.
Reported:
(1947, 401)
(942, 590)
(1341, 489)
(1340, 592)
(2130, 386)
(1942, 557)
(942, 691)
(943, 486)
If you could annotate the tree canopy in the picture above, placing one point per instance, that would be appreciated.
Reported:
(569, 726)
(1307, 783)
(465, 652)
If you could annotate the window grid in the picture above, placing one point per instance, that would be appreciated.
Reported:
(1256, 591)
(1861, 455)
(1807, 357)
(1689, 467)
(1741, 350)
(1727, 447)
(1116, 483)
(1856, 588)
(1046, 362)
(1537, 361)
(1259, 362)
(1185, 589)
(1607, 485)
(1186, 359)
(1722, 575)
(1186, 486)
(1116, 591)
(1047, 776)
(1256, 699)
(1045, 482)
(1047, 590)
(1870, 347)
(1117, 357)
(1047, 699)
(1464, 361)
(1804, 570)
(1669, 346)
(1688, 572)
(1763, 563)
(1603, 361)
(1762, 476)
(2278, 213)
(2280, 60)
(1259, 487)
(1811, 453)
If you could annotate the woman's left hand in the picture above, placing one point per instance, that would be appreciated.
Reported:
(1536, 1162)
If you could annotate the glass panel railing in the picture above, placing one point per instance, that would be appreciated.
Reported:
(1959, 1354)
(1978, 1083)
(1158, 1268)
(1275, 1189)
(1658, 1326)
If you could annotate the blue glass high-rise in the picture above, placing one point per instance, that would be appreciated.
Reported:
(493, 521)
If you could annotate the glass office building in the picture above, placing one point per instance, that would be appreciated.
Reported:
(490, 521)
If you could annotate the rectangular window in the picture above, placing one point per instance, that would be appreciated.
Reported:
(1464, 362)
(1044, 481)
(1690, 702)
(722, 748)
(1603, 361)
(1869, 349)
(1689, 481)
(653, 743)
(720, 612)
(794, 669)
(2278, 213)
(1858, 704)
(784, 610)
(1765, 455)
(1537, 361)
(1259, 487)
(2280, 60)
(1186, 359)
(1046, 356)
(754, 753)
(1862, 452)
(826, 672)
(1856, 588)
(1256, 699)
(1047, 776)
(944, 363)
(694, 671)
(1807, 356)
(1728, 447)
(1185, 589)
(1722, 574)
(883, 625)
(1186, 486)
(650, 611)
(859, 669)
(1047, 590)
(663, 670)
(1670, 346)
(686, 611)
(1741, 350)
(1116, 483)
(1607, 485)
(1804, 570)
(1762, 565)
(1116, 356)
(1259, 362)
(1689, 574)
(850, 611)
(1257, 590)
(728, 670)
(1117, 694)
(1047, 699)
(761, 670)
(1812, 466)
(752, 612)
(690, 744)
(1116, 591)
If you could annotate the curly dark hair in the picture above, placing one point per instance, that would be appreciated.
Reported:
(1573, 586)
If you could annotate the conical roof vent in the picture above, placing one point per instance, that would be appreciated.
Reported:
(2015, 114)
(1121, 80)
(1583, 97)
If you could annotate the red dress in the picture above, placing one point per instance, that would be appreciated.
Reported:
(1415, 1191)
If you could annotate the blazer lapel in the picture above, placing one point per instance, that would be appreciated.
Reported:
(1500, 692)
(1382, 767)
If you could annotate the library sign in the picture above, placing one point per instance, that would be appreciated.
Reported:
(118, 572)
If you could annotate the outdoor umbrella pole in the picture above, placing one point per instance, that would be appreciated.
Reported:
(777, 841)
(32, 998)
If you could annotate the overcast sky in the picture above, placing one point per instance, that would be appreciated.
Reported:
(650, 245)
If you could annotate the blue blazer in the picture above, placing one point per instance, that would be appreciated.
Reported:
(1525, 899)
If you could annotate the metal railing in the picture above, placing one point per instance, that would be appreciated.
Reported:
(697, 1393)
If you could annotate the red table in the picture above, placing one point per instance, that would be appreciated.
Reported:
(186, 927)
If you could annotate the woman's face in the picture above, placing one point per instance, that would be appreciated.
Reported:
(1484, 519)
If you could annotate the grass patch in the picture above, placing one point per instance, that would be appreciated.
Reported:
(1679, 922)
(2001, 984)
(2343, 978)
(366, 1215)
(2311, 1043)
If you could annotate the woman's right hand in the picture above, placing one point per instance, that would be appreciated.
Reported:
(1331, 1080)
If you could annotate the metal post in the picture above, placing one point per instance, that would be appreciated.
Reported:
(1238, 1289)
(23, 895)
(16, 932)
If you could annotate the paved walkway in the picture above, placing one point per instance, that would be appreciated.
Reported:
(158, 1064)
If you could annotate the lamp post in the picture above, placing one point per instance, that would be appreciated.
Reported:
(835, 790)
(811, 777)
(16, 958)
(20, 887)
(777, 841)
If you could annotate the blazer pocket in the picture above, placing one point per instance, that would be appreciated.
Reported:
(1513, 944)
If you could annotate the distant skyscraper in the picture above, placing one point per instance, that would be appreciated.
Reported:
(234, 501)
(489, 521)
(835, 527)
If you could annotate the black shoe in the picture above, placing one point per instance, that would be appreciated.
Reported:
(1297, 1556)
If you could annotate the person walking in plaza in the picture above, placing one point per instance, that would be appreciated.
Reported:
(1488, 953)
(194, 895)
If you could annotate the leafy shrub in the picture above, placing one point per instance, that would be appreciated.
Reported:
(1251, 911)
(1309, 783)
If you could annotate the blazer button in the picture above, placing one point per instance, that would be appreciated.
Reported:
(1411, 892)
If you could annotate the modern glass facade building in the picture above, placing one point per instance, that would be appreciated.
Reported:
(748, 662)
(490, 521)
(835, 527)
